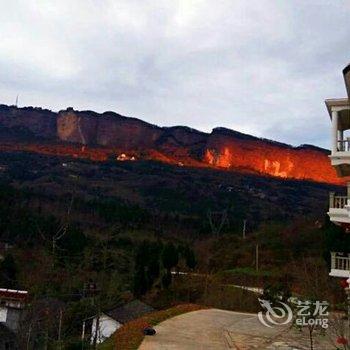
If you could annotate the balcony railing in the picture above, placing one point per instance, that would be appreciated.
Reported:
(343, 145)
(337, 202)
(340, 261)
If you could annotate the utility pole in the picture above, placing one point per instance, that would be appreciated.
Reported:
(244, 228)
(83, 336)
(28, 337)
(257, 257)
(60, 330)
(97, 329)
(96, 302)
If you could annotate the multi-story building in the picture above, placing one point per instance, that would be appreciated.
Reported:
(339, 205)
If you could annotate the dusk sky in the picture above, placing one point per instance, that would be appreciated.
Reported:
(260, 67)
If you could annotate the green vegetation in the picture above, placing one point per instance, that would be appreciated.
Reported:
(249, 271)
(115, 232)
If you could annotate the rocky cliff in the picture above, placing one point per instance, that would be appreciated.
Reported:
(232, 150)
(110, 134)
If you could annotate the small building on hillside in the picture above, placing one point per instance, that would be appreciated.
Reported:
(12, 305)
(124, 157)
(110, 320)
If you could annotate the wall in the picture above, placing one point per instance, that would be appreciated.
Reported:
(107, 326)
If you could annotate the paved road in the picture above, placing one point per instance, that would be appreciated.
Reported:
(215, 329)
(197, 330)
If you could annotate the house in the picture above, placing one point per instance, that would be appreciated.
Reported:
(124, 157)
(7, 339)
(339, 205)
(110, 320)
(12, 304)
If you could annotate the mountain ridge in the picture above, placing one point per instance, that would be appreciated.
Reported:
(173, 127)
(113, 134)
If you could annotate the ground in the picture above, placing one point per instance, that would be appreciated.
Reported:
(215, 329)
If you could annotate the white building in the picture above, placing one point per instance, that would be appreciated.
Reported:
(12, 306)
(111, 320)
(339, 205)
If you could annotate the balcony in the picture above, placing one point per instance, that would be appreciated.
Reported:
(339, 209)
(340, 265)
(339, 111)
(340, 158)
(344, 145)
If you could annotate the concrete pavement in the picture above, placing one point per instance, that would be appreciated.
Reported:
(215, 329)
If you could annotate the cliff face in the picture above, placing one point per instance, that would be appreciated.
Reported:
(109, 134)
(230, 150)
(75, 128)
(107, 129)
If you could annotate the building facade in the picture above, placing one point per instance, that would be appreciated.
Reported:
(12, 304)
(339, 204)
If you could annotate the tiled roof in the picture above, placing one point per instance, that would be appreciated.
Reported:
(20, 295)
(130, 311)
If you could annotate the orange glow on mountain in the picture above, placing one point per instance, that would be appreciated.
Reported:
(73, 151)
(247, 157)
(270, 159)
(110, 136)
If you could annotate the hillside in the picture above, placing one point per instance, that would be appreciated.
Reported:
(179, 197)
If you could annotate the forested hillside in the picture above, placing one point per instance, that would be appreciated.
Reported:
(122, 227)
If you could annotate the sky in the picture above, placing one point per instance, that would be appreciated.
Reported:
(262, 67)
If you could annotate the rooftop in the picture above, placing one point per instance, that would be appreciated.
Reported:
(13, 294)
(336, 102)
(130, 311)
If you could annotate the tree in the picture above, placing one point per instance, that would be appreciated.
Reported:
(140, 282)
(147, 266)
(153, 264)
(217, 221)
(170, 259)
(8, 272)
(41, 324)
(166, 279)
(312, 278)
(190, 258)
(142, 254)
(170, 256)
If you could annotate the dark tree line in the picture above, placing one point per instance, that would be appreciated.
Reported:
(154, 262)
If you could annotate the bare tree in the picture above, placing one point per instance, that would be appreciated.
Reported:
(338, 333)
(62, 229)
(217, 220)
